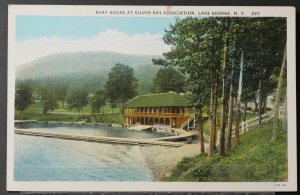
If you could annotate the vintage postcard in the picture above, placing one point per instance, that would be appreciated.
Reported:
(151, 98)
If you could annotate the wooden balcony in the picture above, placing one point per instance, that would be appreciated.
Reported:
(154, 114)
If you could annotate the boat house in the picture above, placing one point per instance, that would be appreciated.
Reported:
(168, 110)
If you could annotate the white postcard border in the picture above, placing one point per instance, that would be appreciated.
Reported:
(64, 10)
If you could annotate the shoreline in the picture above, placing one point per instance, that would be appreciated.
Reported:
(161, 160)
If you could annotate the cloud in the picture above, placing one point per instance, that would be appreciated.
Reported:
(109, 40)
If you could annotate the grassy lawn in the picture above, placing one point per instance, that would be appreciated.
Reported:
(87, 109)
(256, 160)
(35, 112)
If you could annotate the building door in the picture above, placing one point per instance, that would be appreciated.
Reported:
(173, 122)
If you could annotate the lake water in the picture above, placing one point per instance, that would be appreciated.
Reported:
(51, 159)
(92, 130)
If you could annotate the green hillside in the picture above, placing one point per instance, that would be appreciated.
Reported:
(87, 70)
(94, 62)
(256, 160)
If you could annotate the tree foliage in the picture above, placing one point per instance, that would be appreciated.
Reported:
(275, 131)
(49, 99)
(77, 98)
(97, 101)
(207, 50)
(23, 96)
(192, 44)
(263, 41)
(121, 84)
(168, 79)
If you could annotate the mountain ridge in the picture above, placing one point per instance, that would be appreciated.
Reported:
(60, 64)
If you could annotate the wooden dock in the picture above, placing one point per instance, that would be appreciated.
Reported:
(102, 139)
(25, 121)
(180, 137)
(140, 127)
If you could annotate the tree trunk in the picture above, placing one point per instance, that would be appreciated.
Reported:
(275, 130)
(230, 118)
(215, 112)
(201, 137)
(245, 110)
(237, 125)
(212, 86)
(122, 108)
(260, 102)
(224, 117)
(238, 111)
(255, 107)
(285, 113)
(265, 104)
(229, 132)
(214, 99)
(225, 97)
(262, 105)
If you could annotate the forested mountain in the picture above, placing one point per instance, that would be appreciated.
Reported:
(75, 62)
(87, 69)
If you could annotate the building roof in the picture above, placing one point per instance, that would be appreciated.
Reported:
(158, 100)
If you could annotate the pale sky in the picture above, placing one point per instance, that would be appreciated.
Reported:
(38, 36)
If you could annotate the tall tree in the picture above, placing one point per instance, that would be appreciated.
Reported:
(263, 50)
(194, 51)
(278, 97)
(201, 49)
(121, 85)
(234, 61)
(168, 79)
(198, 98)
(213, 110)
(214, 54)
(238, 110)
(225, 91)
(230, 117)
